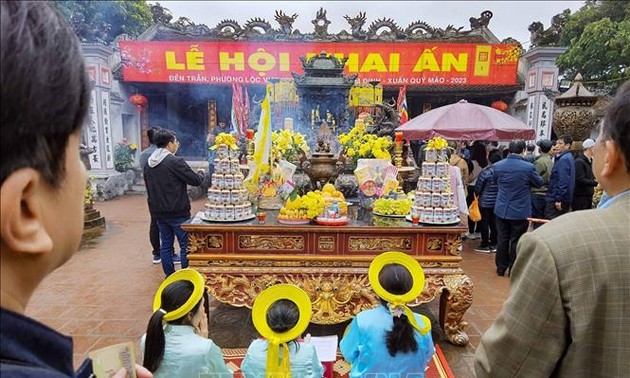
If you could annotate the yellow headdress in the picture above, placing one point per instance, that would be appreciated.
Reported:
(181, 275)
(262, 303)
(400, 300)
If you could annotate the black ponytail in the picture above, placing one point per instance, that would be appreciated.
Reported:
(173, 297)
(154, 343)
(402, 337)
(396, 279)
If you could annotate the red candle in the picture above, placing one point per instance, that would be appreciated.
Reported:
(250, 134)
(399, 136)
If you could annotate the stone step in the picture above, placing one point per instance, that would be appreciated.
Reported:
(137, 189)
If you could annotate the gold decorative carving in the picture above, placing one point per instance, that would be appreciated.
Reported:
(453, 242)
(196, 242)
(379, 243)
(335, 297)
(267, 242)
(284, 263)
(215, 241)
(434, 244)
(255, 263)
(326, 243)
(339, 287)
(458, 300)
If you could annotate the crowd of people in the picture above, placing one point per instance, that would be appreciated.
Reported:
(517, 185)
(566, 314)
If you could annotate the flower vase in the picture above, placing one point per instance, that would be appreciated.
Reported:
(300, 179)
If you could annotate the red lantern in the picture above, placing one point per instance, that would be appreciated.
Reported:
(139, 101)
(500, 106)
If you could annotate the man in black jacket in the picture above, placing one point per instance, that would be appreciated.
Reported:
(166, 177)
(154, 231)
(584, 179)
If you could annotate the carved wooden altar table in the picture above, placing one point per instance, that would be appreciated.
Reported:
(239, 260)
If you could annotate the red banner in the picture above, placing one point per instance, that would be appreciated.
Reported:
(406, 63)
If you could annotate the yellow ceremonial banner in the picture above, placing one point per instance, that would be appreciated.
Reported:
(262, 146)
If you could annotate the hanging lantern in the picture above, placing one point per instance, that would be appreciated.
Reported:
(139, 101)
(500, 106)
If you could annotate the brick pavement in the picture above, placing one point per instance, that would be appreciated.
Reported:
(103, 295)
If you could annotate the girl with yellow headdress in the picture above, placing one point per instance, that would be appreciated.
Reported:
(176, 343)
(390, 340)
(281, 314)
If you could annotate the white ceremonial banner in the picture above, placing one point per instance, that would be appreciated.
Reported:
(543, 127)
(107, 131)
(93, 136)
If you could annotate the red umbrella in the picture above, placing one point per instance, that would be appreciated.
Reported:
(466, 121)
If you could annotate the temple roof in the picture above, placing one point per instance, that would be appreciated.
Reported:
(383, 29)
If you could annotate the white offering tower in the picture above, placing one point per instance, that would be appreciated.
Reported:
(228, 198)
(435, 201)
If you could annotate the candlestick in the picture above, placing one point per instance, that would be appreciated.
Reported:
(398, 147)
(250, 150)
(399, 136)
(288, 124)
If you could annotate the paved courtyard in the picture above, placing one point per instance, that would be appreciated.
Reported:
(104, 294)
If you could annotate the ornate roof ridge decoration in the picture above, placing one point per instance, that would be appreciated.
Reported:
(323, 70)
(383, 29)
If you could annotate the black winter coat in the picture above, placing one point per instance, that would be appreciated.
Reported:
(486, 189)
(584, 178)
(167, 189)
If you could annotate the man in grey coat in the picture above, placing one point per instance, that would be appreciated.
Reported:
(567, 312)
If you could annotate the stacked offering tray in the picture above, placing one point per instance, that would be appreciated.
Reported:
(435, 200)
(228, 200)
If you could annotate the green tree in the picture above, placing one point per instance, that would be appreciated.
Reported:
(598, 41)
(102, 21)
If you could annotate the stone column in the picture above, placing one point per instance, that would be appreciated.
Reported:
(542, 74)
(100, 129)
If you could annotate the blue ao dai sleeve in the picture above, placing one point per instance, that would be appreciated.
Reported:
(318, 368)
(214, 359)
(349, 345)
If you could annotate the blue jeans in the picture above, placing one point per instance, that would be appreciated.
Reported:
(169, 229)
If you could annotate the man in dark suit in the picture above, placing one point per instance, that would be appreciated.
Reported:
(514, 177)
(562, 180)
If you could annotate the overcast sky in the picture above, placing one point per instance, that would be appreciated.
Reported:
(510, 19)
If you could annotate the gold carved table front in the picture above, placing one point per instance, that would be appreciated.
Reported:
(330, 263)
